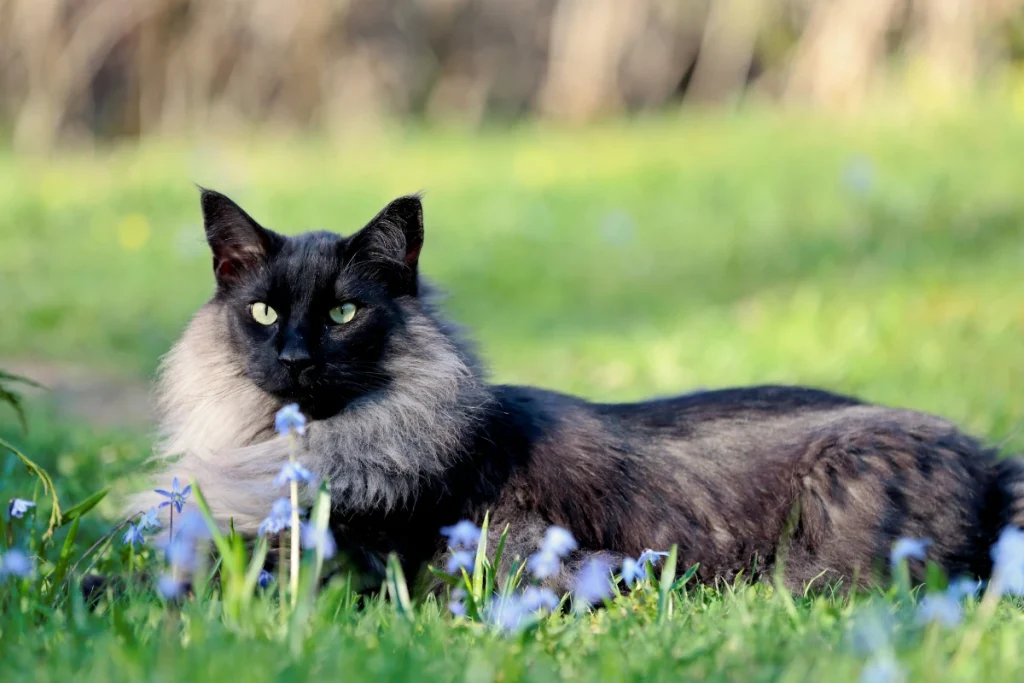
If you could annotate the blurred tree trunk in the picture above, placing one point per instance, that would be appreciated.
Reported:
(32, 29)
(840, 52)
(63, 56)
(588, 39)
(726, 50)
(943, 49)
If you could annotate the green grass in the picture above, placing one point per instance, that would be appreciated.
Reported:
(616, 262)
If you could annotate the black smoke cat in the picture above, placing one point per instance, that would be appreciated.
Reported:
(411, 437)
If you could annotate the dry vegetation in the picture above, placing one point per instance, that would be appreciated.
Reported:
(85, 69)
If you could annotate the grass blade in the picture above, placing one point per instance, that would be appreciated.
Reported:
(397, 587)
(259, 555)
(478, 562)
(224, 547)
(64, 560)
(76, 511)
(12, 398)
(686, 577)
(8, 377)
(44, 477)
(444, 576)
(668, 577)
(492, 575)
(14, 401)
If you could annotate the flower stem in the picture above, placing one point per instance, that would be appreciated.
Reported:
(170, 538)
(293, 577)
(282, 581)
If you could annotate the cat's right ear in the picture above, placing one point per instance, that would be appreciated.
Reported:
(239, 243)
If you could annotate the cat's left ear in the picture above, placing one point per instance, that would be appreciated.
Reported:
(393, 239)
(238, 242)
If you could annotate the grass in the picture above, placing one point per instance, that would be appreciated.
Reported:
(617, 262)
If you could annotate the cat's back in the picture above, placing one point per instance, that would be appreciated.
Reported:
(734, 441)
(731, 423)
(769, 421)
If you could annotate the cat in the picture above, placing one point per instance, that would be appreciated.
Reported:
(411, 437)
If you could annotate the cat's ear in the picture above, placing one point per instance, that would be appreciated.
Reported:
(393, 238)
(239, 243)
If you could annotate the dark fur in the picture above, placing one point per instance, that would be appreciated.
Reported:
(727, 475)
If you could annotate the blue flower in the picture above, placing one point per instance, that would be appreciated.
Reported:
(290, 419)
(544, 564)
(265, 579)
(456, 605)
(1008, 559)
(464, 534)
(149, 520)
(459, 560)
(175, 496)
(280, 518)
(942, 608)
(505, 613)
(181, 552)
(871, 631)
(133, 536)
(651, 556)
(170, 587)
(293, 471)
(18, 507)
(193, 527)
(535, 598)
(558, 541)
(593, 583)
(633, 571)
(882, 668)
(963, 588)
(636, 570)
(859, 175)
(15, 563)
(273, 525)
(282, 507)
(319, 539)
(909, 548)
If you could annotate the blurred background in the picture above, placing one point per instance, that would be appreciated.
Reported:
(624, 198)
(82, 70)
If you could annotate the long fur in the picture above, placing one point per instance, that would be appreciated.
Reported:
(743, 480)
(217, 426)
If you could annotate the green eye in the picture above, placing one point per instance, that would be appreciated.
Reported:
(263, 314)
(343, 313)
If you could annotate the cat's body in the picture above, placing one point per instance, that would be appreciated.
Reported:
(411, 437)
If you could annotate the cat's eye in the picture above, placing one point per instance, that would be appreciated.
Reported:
(343, 313)
(263, 314)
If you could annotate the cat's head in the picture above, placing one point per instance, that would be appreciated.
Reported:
(310, 316)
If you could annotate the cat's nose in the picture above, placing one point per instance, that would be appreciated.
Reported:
(295, 358)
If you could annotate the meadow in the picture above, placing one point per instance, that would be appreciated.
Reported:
(881, 258)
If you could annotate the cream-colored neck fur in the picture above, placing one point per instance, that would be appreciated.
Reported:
(217, 425)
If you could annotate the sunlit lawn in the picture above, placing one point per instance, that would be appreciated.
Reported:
(618, 262)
